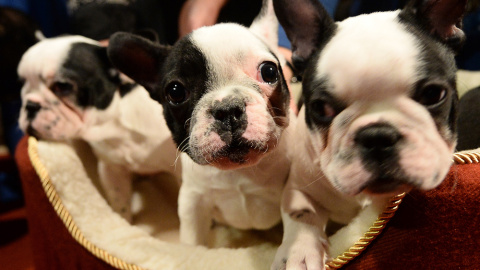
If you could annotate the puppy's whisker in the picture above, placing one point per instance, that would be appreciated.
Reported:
(177, 157)
(187, 123)
(179, 148)
(277, 140)
(313, 182)
(182, 147)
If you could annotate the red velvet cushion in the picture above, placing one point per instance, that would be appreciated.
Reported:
(439, 229)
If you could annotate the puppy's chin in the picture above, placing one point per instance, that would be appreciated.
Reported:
(382, 183)
(56, 130)
(391, 188)
(31, 131)
(235, 161)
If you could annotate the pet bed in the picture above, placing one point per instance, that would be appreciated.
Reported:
(72, 227)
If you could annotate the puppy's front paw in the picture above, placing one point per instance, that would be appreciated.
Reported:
(304, 254)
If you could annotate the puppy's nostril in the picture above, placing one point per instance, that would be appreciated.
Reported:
(32, 109)
(229, 114)
(220, 115)
(377, 137)
(237, 113)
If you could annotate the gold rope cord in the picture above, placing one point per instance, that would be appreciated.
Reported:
(65, 216)
(369, 236)
(376, 229)
(467, 157)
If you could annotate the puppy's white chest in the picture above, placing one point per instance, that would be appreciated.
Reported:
(244, 199)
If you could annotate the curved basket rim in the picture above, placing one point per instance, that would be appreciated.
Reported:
(465, 157)
(65, 215)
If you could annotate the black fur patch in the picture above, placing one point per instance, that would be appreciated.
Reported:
(315, 91)
(280, 99)
(88, 66)
(438, 66)
(186, 65)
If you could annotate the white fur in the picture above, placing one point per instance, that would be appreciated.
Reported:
(394, 53)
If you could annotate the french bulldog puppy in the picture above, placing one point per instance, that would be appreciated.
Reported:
(379, 114)
(227, 104)
(72, 91)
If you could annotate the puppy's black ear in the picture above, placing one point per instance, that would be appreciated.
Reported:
(137, 57)
(442, 18)
(307, 25)
(149, 34)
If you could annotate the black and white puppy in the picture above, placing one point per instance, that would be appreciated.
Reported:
(379, 114)
(227, 104)
(72, 91)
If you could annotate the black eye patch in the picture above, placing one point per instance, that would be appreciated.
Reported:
(321, 106)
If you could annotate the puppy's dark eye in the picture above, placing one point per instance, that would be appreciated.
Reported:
(176, 93)
(431, 95)
(269, 72)
(62, 89)
(323, 111)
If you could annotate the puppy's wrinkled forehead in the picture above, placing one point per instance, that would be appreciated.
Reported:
(46, 57)
(230, 48)
(370, 52)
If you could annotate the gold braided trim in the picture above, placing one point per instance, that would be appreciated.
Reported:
(467, 157)
(65, 216)
(369, 236)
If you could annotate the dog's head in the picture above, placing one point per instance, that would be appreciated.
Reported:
(222, 89)
(67, 80)
(379, 92)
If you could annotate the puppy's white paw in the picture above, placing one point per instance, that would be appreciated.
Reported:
(304, 254)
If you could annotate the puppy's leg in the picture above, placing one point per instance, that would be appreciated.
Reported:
(304, 245)
(195, 215)
(116, 182)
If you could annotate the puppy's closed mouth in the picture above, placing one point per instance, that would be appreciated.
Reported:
(237, 154)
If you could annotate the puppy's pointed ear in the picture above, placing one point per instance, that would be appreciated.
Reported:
(265, 24)
(137, 57)
(442, 18)
(307, 25)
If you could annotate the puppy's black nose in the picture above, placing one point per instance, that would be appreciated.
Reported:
(32, 109)
(230, 116)
(378, 138)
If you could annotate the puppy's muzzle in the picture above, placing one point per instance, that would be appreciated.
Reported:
(230, 119)
(32, 109)
(378, 141)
